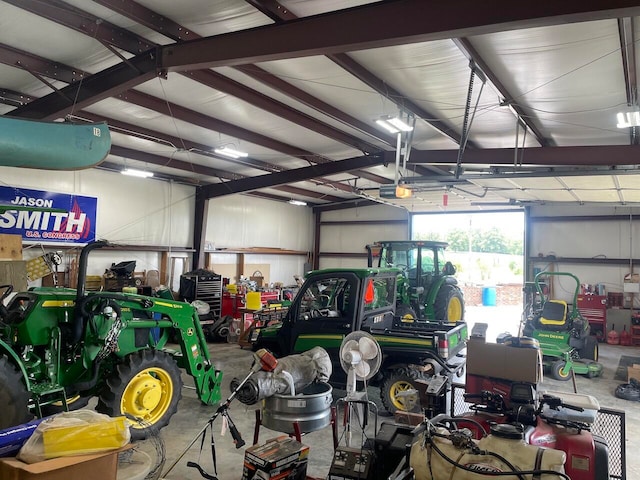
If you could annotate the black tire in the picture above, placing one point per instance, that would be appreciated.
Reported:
(557, 373)
(449, 304)
(74, 402)
(627, 391)
(589, 350)
(14, 397)
(223, 331)
(406, 313)
(146, 386)
(397, 381)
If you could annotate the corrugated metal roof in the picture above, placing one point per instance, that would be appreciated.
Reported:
(561, 73)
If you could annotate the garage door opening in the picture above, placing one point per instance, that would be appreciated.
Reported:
(487, 250)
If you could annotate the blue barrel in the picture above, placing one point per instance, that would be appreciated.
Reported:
(489, 296)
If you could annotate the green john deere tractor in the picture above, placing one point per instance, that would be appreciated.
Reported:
(564, 334)
(427, 288)
(59, 347)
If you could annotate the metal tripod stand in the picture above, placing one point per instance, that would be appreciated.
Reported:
(222, 410)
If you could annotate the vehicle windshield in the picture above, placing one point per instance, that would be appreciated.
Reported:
(326, 297)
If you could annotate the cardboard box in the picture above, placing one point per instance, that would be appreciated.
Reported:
(99, 466)
(518, 364)
(281, 457)
(633, 372)
(10, 247)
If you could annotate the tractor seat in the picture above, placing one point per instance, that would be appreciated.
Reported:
(554, 316)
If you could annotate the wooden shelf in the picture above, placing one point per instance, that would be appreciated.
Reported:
(258, 251)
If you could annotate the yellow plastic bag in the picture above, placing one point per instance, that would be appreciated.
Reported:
(75, 433)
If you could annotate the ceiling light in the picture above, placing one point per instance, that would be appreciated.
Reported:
(137, 173)
(230, 152)
(394, 124)
(298, 202)
(403, 192)
(395, 191)
(629, 119)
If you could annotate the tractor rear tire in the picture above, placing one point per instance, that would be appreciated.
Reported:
(589, 350)
(147, 387)
(14, 397)
(406, 313)
(557, 371)
(449, 304)
(394, 383)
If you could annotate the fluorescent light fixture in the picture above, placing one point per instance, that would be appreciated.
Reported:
(298, 202)
(136, 173)
(394, 124)
(629, 119)
(230, 152)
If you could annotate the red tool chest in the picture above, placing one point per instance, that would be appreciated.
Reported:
(594, 309)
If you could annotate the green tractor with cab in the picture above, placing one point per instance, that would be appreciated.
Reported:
(427, 287)
(59, 347)
(563, 333)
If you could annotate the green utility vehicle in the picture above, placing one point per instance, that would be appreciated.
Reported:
(59, 347)
(333, 303)
(428, 288)
(564, 334)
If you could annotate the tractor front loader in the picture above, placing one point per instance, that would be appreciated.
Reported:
(59, 347)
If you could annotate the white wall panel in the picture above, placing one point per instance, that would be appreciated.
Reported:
(130, 210)
(588, 239)
(240, 221)
(243, 221)
(351, 237)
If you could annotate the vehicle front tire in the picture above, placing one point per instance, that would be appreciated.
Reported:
(394, 384)
(146, 386)
(14, 397)
(557, 371)
(449, 304)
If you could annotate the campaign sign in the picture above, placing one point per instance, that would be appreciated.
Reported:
(47, 216)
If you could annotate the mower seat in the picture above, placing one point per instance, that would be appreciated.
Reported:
(553, 316)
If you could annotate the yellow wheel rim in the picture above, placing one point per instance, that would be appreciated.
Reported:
(454, 311)
(407, 317)
(561, 371)
(148, 395)
(400, 402)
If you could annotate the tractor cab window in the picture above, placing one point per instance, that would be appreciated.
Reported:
(427, 262)
(326, 297)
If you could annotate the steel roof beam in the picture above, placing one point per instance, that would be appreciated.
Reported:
(550, 156)
(224, 84)
(294, 175)
(177, 32)
(32, 63)
(628, 51)
(94, 88)
(76, 19)
(383, 24)
(13, 98)
(163, 161)
(275, 82)
(201, 149)
(60, 15)
(469, 51)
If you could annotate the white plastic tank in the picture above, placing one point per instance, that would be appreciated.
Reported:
(505, 441)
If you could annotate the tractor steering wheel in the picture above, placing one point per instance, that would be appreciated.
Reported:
(4, 312)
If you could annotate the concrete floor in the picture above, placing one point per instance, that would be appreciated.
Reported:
(234, 361)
